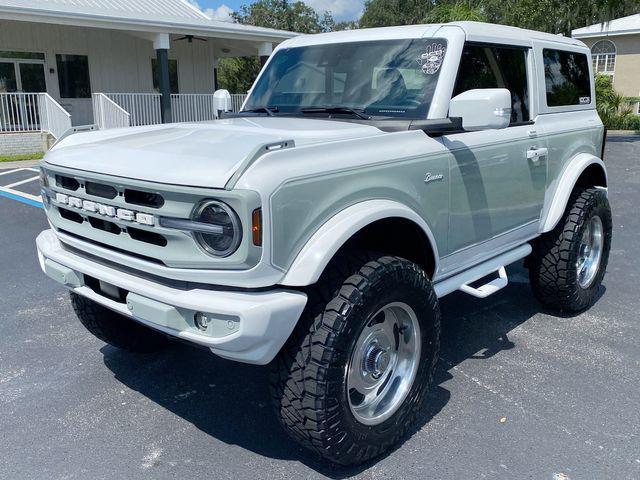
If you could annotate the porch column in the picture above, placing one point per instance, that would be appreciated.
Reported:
(161, 44)
(264, 52)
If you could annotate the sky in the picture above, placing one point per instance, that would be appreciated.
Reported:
(341, 9)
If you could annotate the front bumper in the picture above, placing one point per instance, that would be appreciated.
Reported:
(248, 327)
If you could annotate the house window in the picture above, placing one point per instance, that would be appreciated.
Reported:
(173, 75)
(603, 55)
(22, 55)
(567, 78)
(73, 76)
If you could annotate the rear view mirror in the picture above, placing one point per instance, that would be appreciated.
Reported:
(482, 109)
(222, 101)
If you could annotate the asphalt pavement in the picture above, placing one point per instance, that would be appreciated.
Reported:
(519, 392)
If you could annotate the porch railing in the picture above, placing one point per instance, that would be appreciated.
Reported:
(32, 112)
(144, 108)
(108, 114)
(53, 118)
(237, 99)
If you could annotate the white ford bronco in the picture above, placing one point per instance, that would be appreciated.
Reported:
(369, 174)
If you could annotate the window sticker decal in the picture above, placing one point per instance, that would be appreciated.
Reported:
(585, 100)
(432, 59)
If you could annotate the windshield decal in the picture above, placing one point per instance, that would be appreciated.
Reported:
(432, 59)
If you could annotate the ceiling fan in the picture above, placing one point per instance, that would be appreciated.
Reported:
(190, 38)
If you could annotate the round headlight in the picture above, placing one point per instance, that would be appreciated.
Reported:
(221, 215)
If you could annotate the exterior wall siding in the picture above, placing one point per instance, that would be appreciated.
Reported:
(627, 71)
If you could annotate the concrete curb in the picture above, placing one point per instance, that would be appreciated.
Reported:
(623, 133)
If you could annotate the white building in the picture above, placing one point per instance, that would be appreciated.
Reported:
(113, 62)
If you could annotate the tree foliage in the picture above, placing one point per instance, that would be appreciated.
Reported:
(615, 110)
(554, 16)
(238, 74)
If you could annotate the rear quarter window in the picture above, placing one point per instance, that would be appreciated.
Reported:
(567, 78)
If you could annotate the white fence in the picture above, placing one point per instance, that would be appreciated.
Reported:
(144, 108)
(108, 114)
(32, 112)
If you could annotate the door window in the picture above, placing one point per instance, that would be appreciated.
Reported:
(567, 78)
(496, 67)
(73, 76)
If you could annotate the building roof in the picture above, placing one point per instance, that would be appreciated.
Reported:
(157, 16)
(620, 26)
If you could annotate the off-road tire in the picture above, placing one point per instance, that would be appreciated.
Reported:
(116, 329)
(308, 382)
(552, 264)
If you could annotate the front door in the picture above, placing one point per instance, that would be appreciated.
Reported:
(497, 191)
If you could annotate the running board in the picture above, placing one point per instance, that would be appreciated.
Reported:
(462, 280)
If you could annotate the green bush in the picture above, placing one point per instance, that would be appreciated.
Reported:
(615, 110)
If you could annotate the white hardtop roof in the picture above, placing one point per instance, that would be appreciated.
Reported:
(475, 31)
(157, 16)
(621, 26)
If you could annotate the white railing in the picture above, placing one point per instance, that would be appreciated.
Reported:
(193, 107)
(237, 99)
(108, 114)
(53, 118)
(143, 108)
(32, 112)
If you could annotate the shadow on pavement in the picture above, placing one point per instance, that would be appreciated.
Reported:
(230, 401)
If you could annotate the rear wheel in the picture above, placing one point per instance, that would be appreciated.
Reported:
(568, 264)
(352, 378)
(116, 329)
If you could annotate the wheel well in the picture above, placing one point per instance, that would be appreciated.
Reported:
(593, 176)
(396, 236)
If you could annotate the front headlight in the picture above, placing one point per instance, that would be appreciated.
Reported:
(215, 213)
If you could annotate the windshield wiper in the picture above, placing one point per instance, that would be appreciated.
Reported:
(270, 111)
(338, 109)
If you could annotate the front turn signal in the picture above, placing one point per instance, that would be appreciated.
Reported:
(256, 227)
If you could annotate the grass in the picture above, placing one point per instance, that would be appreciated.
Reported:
(18, 158)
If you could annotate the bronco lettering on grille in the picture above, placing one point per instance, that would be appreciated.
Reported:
(106, 210)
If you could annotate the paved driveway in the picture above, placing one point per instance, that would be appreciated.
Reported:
(519, 393)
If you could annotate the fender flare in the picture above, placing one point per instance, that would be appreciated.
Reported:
(325, 243)
(564, 185)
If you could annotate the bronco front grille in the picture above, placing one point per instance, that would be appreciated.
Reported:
(123, 215)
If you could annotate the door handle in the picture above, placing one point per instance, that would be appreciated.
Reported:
(535, 154)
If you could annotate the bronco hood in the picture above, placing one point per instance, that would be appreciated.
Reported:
(192, 154)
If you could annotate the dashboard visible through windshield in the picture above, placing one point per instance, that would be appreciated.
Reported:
(391, 78)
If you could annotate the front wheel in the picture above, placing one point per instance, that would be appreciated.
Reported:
(568, 264)
(352, 378)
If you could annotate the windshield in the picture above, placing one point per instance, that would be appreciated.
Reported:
(394, 78)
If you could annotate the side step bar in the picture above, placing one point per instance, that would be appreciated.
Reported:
(462, 280)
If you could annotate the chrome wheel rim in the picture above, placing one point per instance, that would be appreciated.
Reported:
(590, 252)
(384, 363)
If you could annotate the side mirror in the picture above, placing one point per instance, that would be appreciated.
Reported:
(221, 101)
(482, 109)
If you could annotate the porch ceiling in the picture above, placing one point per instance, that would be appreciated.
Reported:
(155, 16)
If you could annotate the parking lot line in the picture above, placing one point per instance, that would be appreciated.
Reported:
(33, 200)
(22, 182)
(14, 170)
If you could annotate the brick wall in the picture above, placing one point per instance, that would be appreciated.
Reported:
(21, 143)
